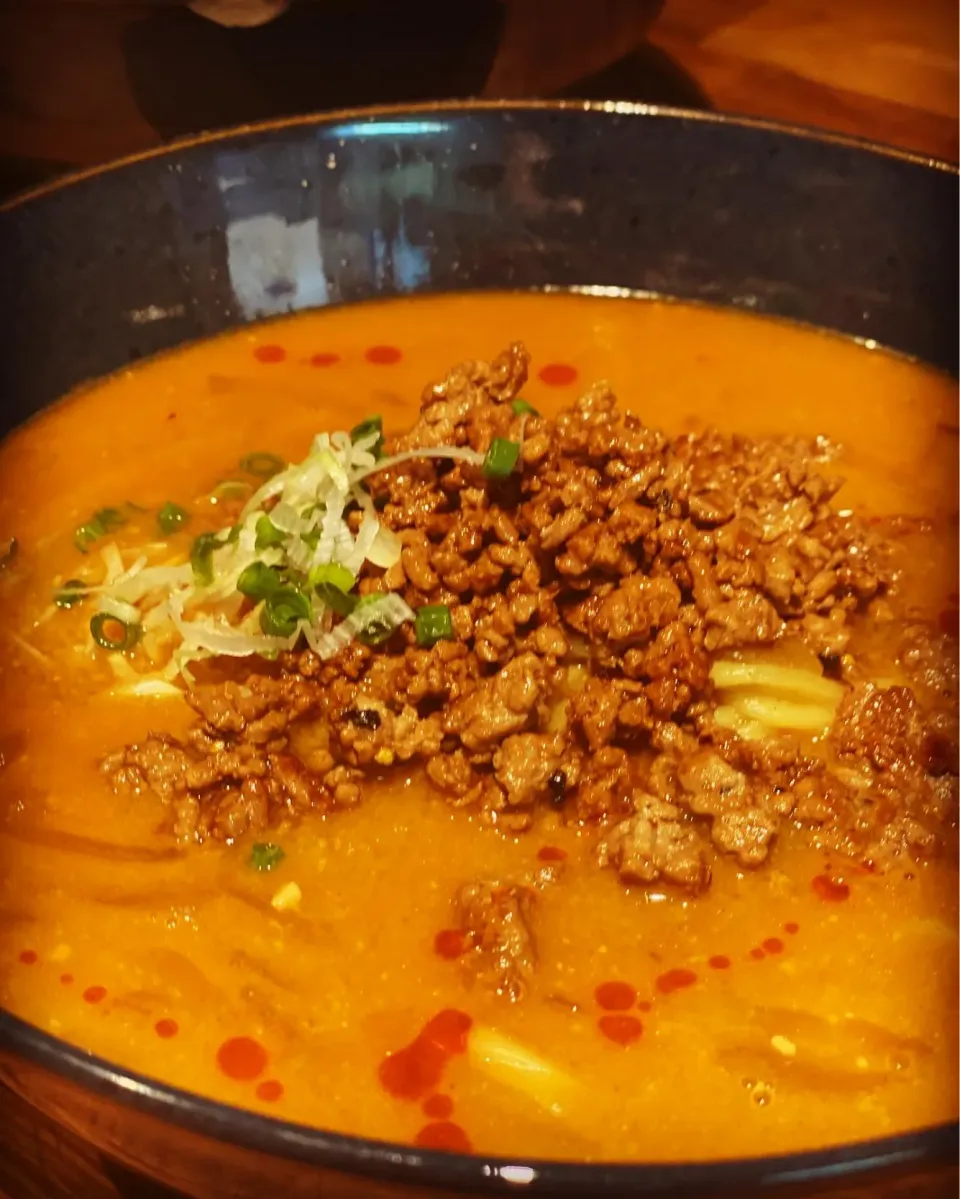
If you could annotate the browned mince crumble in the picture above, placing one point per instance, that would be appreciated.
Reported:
(640, 558)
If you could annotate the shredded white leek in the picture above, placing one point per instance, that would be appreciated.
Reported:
(307, 506)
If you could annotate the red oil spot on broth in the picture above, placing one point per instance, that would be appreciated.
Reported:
(270, 354)
(830, 891)
(449, 1030)
(719, 961)
(412, 1072)
(675, 980)
(558, 374)
(242, 1058)
(615, 996)
(644, 1005)
(95, 994)
(621, 1029)
(773, 945)
(551, 853)
(165, 1029)
(383, 355)
(450, 943)
(438, 1107)
(791, 927)
(270, 1090)
(443, 1135)
(757, 953)
(66, 979)
(28, 957)
(324, 359)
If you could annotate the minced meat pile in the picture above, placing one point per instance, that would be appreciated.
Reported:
(590, 591)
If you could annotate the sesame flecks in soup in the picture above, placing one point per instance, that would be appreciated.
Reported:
(592, 792)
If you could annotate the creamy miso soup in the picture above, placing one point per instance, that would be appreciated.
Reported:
(509, 724)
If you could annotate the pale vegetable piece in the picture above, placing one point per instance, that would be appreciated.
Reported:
(781, 680)
(516, 1066)
(783, 713)
(728, 717)
(153, 686)
(287, 898)
(557, 722)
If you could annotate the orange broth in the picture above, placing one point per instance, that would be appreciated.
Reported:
(775, 1015)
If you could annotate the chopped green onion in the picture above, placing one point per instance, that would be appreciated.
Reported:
(230, 489)
(333, 573)
(501, 458)
(373, 424)
(259, 580)
(433, 624)
(113, 634)
(201, 557)
(283, 610)
(523, 408)
(264, 466)
(72, 592)
(172, 517)
(107, 520)
(380, 629)
(333, 584)
(268, 535)
(265, 855)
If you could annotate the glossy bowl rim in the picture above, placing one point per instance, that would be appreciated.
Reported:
(611, 108)
(406, 1164)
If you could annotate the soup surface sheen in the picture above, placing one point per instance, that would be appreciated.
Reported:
(770, 1013)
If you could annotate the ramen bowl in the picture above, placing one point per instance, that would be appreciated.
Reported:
(111, 267)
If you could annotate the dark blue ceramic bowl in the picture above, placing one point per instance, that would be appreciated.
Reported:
(112, 266)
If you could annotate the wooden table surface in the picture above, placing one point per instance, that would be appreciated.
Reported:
(883, 69)
(83, 81)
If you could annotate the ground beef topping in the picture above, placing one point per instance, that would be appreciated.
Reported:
(590, 593)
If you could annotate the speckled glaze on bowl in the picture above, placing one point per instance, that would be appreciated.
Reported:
(114, 265)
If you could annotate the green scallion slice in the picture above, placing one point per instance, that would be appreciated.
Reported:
(283, 610)
(373, 424)
(259, 580)
(265, 855)
(523, 408)
(107, 520)
(172, 517)
(268, 535)
(433, 623)
(333, 584)
(230, 489)
(113, 634)
(201, 557)
(378, 630)
(263, 466)
(71, 592)
(501, 458)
